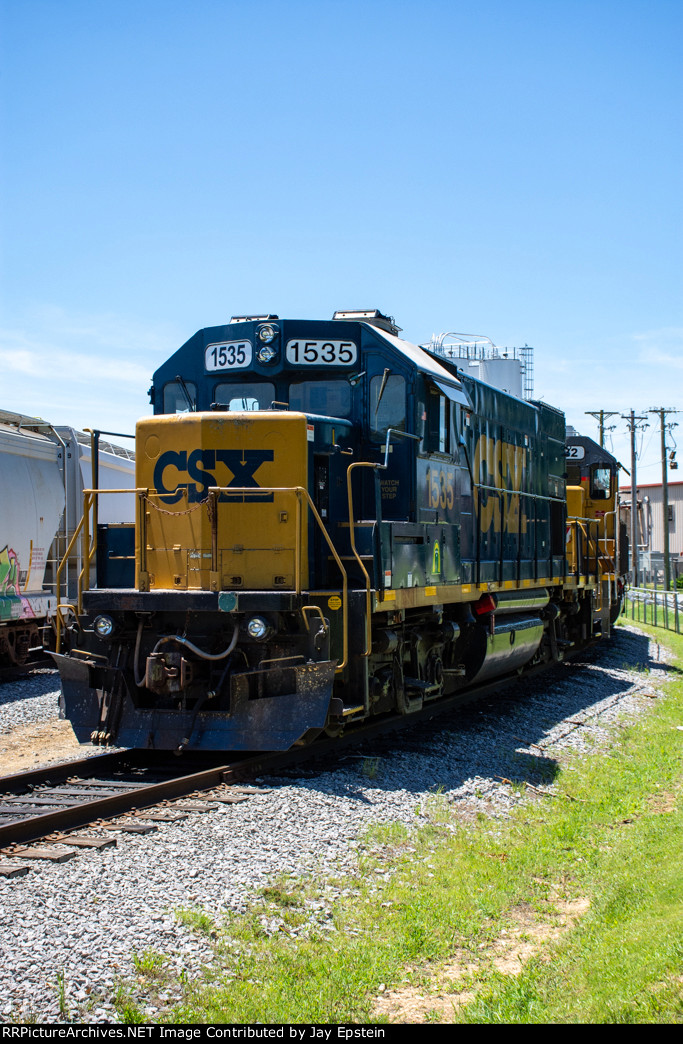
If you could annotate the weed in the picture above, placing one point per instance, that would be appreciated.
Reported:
(278, 894)
(149, 962)
(127, 1008)
(437, 809)
(61, 994)
(386, 834)
(370, 768)
(196, 919)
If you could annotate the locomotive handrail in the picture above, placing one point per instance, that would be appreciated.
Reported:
(60, 569)
(501, 491)
(89, 495)
(144, 494)
(517, 493)
(352, 526)
(602, 549)
(402, 435)
(90, 501)
(58, 621)
(583, 526)
(354, 551)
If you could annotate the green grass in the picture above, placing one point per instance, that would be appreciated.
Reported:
(149, 962)
(196, 919)
(610, 837)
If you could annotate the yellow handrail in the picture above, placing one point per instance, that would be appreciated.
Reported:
(145, 494)
(58, 577)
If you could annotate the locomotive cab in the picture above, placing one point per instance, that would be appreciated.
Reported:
(595, 533)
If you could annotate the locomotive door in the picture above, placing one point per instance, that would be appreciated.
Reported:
(388, 408)
(321, 499)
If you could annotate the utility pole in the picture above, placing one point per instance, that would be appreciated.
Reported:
(665, 492)
(601, 416)
(633, 424)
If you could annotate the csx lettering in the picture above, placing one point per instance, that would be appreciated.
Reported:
(201, 465)
(503, 466)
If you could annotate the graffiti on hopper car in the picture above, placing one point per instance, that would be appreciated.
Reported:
(9, 572)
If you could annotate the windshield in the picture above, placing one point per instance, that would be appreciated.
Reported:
(175, 397)
(328, 398)
(245, 395)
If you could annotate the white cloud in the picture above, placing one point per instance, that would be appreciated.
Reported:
(81, 370)
(18, 360)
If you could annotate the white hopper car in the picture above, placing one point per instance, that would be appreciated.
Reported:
(43, 472)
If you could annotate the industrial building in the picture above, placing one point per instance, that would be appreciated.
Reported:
(650, 523)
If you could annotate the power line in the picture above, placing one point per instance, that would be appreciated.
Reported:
(634, 424)
(601, 416)
(664, 427)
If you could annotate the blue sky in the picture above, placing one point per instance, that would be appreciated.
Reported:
(506, 167)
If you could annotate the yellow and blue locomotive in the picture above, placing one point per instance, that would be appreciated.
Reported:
(332, 523)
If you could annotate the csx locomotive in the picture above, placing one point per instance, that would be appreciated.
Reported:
(332, 523)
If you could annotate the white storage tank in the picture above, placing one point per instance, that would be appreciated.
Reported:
(502, 373)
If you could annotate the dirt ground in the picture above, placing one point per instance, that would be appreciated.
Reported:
(455, 983)
(39, 743)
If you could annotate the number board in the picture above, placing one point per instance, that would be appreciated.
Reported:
(229, 355)
(436, 488)
(575, 452)
(321, 353)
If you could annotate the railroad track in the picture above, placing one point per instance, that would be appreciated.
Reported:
(15, 672)
(47, 802)
(53, 803)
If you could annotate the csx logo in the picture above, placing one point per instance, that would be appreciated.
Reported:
(201, 465)
(503, 466)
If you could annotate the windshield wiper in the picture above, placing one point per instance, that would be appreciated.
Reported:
(190, 402)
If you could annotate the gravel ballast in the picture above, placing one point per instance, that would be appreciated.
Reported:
(27, 700)
(68, 932)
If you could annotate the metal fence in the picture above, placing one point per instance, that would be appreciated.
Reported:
(652, 605)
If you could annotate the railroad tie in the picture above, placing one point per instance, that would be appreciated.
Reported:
(83, 841)
(13, 870)
(132, 828)
(52, 855)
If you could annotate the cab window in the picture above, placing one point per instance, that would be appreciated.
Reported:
(175, 399)
(388, 406)
(437, 435)
(245, 395)
(328, 398)
(600, 483)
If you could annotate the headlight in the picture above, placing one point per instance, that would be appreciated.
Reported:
(267, 333)
(104, 626)
(266, 354)
(258, 628)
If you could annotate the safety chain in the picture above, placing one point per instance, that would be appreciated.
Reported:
(188, 511)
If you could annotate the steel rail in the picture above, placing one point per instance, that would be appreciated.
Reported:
(33, 827)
